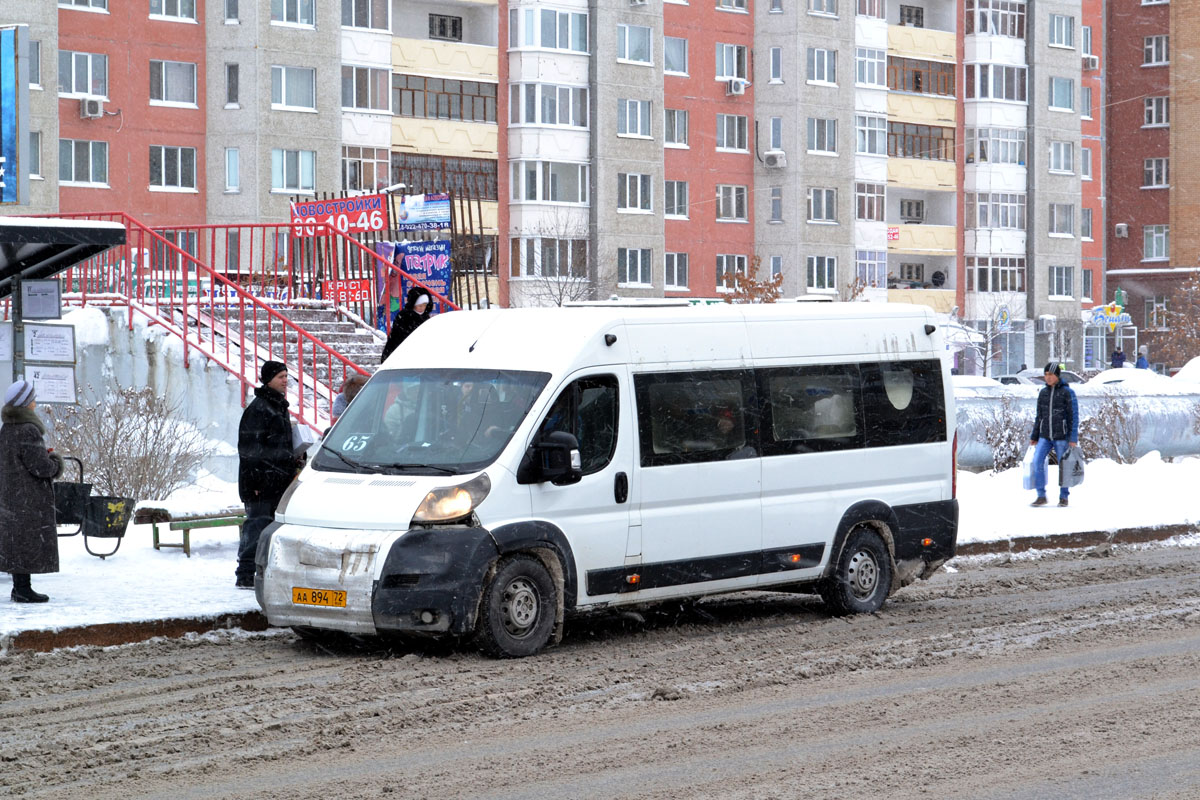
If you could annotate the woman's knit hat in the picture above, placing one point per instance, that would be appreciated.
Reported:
(19, 394)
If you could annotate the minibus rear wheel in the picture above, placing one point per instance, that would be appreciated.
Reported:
(862, 578)
(518, 610)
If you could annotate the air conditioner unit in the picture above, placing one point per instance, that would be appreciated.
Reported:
(1046, 324)
(91, 108)
(776, 160)
(1121, 230)
(1091, 62)
(736, 86)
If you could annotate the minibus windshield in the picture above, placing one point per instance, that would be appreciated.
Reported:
(430, 421)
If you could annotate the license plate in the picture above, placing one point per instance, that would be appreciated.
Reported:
(333, 598)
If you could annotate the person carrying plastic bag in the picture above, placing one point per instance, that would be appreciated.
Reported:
(1056, 425)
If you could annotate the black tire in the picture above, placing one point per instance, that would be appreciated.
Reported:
(520, 604)
(862, 578)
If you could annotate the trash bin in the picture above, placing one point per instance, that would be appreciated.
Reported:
(106, 517)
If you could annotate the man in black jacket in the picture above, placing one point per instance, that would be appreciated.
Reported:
(267, 463)
(1055, 426)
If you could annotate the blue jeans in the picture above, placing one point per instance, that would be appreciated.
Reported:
(1039, 464)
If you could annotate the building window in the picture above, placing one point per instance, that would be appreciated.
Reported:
(364, 168)
(173, 82)
(543, 181)
(1156, 311)
(470, 177)
(822, 273)
(1062, 281)
(1157, 112)
(869, 201)
(826, 7)
(1085, 163)
(633, 118)
(365, 88)
(775, 7)
(775, 138)
(1155, 173)
(732, 132)
(81, 161)
(35, 63)
(233, 170)
(559, 30)
(913, 273)
(1062, 157)
(912, 211)
(912, 16)
(1155, 51)
(633, 267)
(731, 203)
(729, 265)
(550, 257)
(100, 5)
(822, 205)
(293, 88)
(870, 135)
(870, 66)
(233, 249)
(731, 61)
(634, 192)
(231, 10)
(172, 167)
(995, 82)
(1085, 284)
(995, 274)
(293, 170)
(872, 8)
(1085, 39)
(821, 65)
(996, 17)
(1062, 31)
(1085, 102)
(675, 128)
(475, 101)
(776, 204)
(732, 5)
(776, 65)
(1085, 225)
(776, 266)
(675, 52)
(675, 271)
(174, 9)
(361, 14)
(996, 145)
(35, 154)
(920, 77)
(870, 267)
(1156, 243)
(675, 203)
(294, 12)
(822, 135)
(1062, 94)
(995, 210)
(1062, 219)
(231, 85)
(633, 44)
(906, 140)
(82, 74)
(445, 27)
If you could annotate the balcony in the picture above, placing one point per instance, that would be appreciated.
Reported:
(924, 43)
(936, 240)
(446, 59)
(921, 109)
(444, 137)
(941, 300)
(919, 173)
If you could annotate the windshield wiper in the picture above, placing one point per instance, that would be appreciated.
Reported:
(356, 466)
(406, 467)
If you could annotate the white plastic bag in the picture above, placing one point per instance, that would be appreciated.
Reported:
(1027, 469)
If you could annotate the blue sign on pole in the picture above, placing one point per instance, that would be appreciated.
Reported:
(14, 102)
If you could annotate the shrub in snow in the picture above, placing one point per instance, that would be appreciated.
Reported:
(135, 445)
(1008, 433)
(1112, 430)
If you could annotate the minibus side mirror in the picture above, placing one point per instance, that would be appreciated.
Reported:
(554, 458)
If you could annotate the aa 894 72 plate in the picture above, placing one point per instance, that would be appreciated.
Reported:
(331, 598)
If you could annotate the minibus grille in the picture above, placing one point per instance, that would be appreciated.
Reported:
(394, 482)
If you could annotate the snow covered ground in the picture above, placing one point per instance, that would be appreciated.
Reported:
(139, 583)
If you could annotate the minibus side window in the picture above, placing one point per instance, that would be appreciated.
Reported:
(587, 409)
(693, 417)
(904, 403)
(811, 409)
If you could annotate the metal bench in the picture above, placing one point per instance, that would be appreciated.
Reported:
(185, 523)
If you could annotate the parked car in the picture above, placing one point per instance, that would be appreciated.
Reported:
(1129, 376)
(1036, 376)
(1013, 380)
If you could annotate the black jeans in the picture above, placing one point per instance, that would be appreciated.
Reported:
(259, 514)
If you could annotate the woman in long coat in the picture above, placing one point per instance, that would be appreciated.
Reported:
(416, 311)
(28, 539)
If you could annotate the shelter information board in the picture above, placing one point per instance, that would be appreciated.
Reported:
(6, 341)
(41, 299)
(51, 343)
(52, 384)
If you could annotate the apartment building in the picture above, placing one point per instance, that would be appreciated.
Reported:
(43, 102)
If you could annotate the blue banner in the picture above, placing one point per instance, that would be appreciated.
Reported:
(428, 262)
(423, 212)
(9, 121)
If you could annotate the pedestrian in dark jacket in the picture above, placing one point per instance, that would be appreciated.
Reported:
(28, 539)
(408, 319)
(267, 463)
(1056, 425)
(1118, 358)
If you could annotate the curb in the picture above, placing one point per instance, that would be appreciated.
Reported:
(129, 632)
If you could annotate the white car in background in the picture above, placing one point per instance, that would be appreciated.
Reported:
(1036, 376)
(1130, 377)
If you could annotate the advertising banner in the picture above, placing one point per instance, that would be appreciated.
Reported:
(428, 262)
(348, 215)
(14, 104)
(423, 212)
(345, 292)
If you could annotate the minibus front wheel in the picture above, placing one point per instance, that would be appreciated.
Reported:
(520, 604)
(862, 577)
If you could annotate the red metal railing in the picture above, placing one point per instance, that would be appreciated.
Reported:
(235, 316)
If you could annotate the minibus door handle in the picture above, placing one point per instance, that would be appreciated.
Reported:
(621, 487)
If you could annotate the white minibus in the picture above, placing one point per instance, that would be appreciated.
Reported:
(507, 467)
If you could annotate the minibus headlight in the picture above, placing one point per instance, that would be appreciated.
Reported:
(452, 503)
